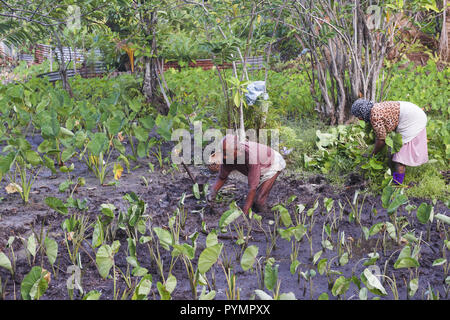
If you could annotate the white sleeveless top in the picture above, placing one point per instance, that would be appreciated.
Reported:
(412, 120)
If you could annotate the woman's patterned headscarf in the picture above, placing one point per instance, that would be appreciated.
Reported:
(361, 109)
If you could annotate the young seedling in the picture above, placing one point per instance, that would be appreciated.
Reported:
(356, 208)
(272, 284)
(7, 263)
(105, 261)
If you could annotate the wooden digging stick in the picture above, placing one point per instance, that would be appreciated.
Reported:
(189, 172)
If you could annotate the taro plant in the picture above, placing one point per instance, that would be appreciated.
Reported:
(22, 166)
(187, 254)
(75, 227)
(425, 214)
(98, 153)
(105, 261)
(356, 208)
(66, 184)
(392, 199)
(133, 221)
(7, 263)
(35, 283)
(272, 283)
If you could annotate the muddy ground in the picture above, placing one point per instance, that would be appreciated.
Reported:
(162, 189)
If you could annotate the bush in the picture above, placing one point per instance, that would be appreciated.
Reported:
(424, 86)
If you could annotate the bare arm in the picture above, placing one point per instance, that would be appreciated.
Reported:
(379, 144)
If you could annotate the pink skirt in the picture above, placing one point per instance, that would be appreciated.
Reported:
(415, 152)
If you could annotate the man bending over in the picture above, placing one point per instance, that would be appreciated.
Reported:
(260, 163)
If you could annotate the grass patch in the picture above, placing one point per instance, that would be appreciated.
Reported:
(427, 182)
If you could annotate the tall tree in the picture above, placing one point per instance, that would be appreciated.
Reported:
(47, 19)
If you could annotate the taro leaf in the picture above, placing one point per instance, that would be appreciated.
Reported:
(49, 163)
(299, 232)
(322, 266)
(340, 286)
(196, 191)
(263, 295)
(211, 238)
(326, 244)
(399, 200)
(394, 141)
(108, 209)
(390, 228)
(63, 186)
(92, 295)
(164, 236)
(6, 162)
(64, 132)
(286, 234)
(287, 296)
(99, 143)
(105, 260)
(294, 266)
(270, 276)
(375, 164)
(363, 293)
(34, 284)
(51, 249)
(163, 292)
(323, 296)
(143, 288)
(5, 262)
(50, 125)
(343, 260)
(187, 250)
(424, 212)
(97, 234)
(32, 245)
(147, 122)
(386, 196)
(142, 149)
(249, 257)
(46, 146)
(229, 216)
(328, 203)
(405, 259)
(317, 256)
(406, 252)
(439, 262)
(20, 143)
(114, 125)
(171, 283)
(164, 127)
(141, 134)
(372, 282)
(33, 157)
(407, 262)
(207, 296)
(208, 257)
(56, 204)
(376, 228)
(443, 218)
(413, 286)
(284, 213)
(67, 154)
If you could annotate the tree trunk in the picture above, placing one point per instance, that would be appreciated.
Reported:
(62, 66)
(150, 84)
(443, 43)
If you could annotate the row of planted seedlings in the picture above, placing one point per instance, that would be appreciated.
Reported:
(105, 133)
(160, 247)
